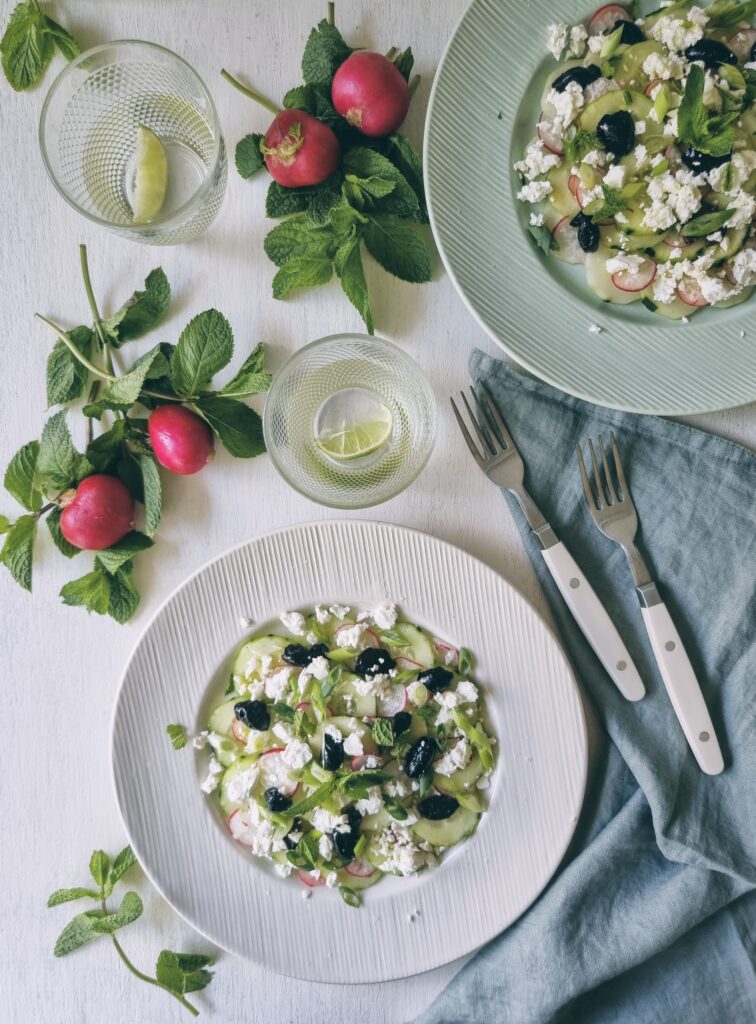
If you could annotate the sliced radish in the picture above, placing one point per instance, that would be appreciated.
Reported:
(239, 731)
(599, 87)
(652, 85)
(566, 237)
(360, 868)
(392, 702)
(578, 189)
(549, 138)
(241, 827)
(604, 18)
(449, 654)
(275, 772)
(309, 881)
(635, 280)
(408, 665)
(367, 638)
(304, 705)
(741, 42)
(360, 760)
(690, 292)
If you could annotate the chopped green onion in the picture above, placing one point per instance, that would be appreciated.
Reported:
(465, 661)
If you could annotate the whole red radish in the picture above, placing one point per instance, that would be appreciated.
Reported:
(300, 150)
(99, 514)
(371, 93)
(181, 440)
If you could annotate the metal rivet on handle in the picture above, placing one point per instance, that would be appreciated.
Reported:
(574, 582)
(670, 645)
(703, 736)
(621, 666)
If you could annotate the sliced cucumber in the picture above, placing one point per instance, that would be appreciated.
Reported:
(222, 718)
(601, 282)
(663, 250)
(561, 198)
(226, 750)
(674, 310)
(252, 653)
(345, 724)
(461, 780)
(629, 72)
(239, 766)
(376, 822)
(419, 646)
(418, 727)
(546, 108)
(610, 103)
(345, 700)
(632, 242)
(736, 300)
(734, 242)
(358, 881)
(455, 829)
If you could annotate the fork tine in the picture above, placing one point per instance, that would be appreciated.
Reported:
(488, 445)
(466, 434)
(587, 489)
(501, 426)
(608, 472)
(486, 420)
(620, 471)
(600, 493)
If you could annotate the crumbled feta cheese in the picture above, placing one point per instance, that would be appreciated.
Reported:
(641, 157)
(296, 754)
(483, 782)
(675, 253)
(455, 758)
(467, 691)
(325, 847)
(658, 217)
(534, 191)
(596, 43)
(371, 761)
(398, 788)
(536, 160)
(351, 636)
(578, 37)
(400, 853)
(595, 158)
(624, 261)
(744, 206)
(294, 622)
(621, 218)
(240, 785)
(334, 732)
(324, 821)
(595, 329)
(598, 88)
(372, 803)
(536, 220)
(322, 614)
(697, 16)
(283, 869)
(557, 39)
(339, 611)
(277, 685)
(200, 740)
(353, 744)
(385, 615)
(319, 668)
(214, 772)
(566, 104)
(332, 880)
(307, 894)
(664, 66)
(744, 268)
(640, 127)
(283, 731)
(670, 125)
(615, 176)
(447, 701)
(675, 33)
(312, 638)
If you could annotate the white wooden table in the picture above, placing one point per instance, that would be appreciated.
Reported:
(61, 667)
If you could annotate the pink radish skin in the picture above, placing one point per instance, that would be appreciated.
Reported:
(99, 513)
(741, 42)
(371, 93)
(299, 156)
(566, 237)
(240, 827)
(604, 18)
(306, 878)
(690, 293)
(408, 665)
(276, 772)
(635, 280)
(181, 440)
(652, 85)
(575, 185)
(360, 868)
(551, 141)
(360, 760)
(443, 650)
(239, 731)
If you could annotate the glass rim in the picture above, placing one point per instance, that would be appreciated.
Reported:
(416, 368)
(167, 219)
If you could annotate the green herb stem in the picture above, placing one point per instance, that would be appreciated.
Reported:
(268, 104)
(390, 54)
(331, 12)
(150, 981)
(414, 84)
(90, 296)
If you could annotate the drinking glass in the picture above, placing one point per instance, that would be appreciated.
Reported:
(332, 384)
(88, 131)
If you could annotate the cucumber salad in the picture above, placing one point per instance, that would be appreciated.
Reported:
(349, 745)
(644, 163)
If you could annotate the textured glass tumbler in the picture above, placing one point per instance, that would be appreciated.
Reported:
(88, 131)
(350, 376)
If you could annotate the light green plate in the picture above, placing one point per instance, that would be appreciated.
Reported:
(483, 110)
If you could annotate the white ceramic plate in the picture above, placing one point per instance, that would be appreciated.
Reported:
(180, 666)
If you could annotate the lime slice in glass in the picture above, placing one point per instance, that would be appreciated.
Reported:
(354, 440)
(151, 180)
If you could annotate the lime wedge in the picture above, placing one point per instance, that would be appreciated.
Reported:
(356, 440)
(151, 176)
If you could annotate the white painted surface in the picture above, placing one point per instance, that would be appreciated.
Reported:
(61, 667)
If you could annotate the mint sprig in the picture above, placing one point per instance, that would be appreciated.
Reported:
(697, 126)
(176, 973)
(29, 42)
(43, 473)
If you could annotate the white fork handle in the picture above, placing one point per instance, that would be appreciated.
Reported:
(683, 688)
(594, 621)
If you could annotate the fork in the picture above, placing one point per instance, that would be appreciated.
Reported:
(502, 463)
(614, 513)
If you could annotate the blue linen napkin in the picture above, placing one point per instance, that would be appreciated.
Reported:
(652, 917)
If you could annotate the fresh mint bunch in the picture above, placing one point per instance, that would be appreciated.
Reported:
(29, 42)
(699, 127)
(375, 201)
(42, 475)
(176, 973)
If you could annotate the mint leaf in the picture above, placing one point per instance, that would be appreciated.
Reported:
(727, 14)
(373, 187)
(20, 477)
(403, 155)
(130, 909)
(106, 448)
(18, 548)
(53, 525)
(250, 379)
(383, 732)
(152, 493)
(58, 460)
(298, 237)
(238, 427)
(315, 100)
(77, 933)
(5, 524)
(302, 272)
(143, 311)
(697, 126)
(707, 223)
(395, 809)
(249, 158)
(99, 866)
(610, 204)
(177, 735)
(124, 597)
(61, 37)
(349, 269)
(123, 863)
(114, 557)
(324, 51)
(405, 62)
(123, 392)
(26, 48)
(543, 238)
(91, 592)
(66, 377)
(205, 347)
(464, 661)
(182, 973)
(281, 202)
(398, 248)
(402, 200)
(67, 895)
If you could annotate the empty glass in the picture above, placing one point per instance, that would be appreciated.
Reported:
(88, 132)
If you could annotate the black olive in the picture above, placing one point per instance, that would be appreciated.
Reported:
(296, 654)
(753, 53)
(333, 753)
(436, 679)
(588, 233)
(318, 651)
(631, 32)
(402, 722)
(583, 77)
(373, 661)
(253, 713)
(711, 52)
(419, 757)
(297, 826)
(616, 132)
(275, 800)
(353, 816)
(700, 162)
(436, 808)
(345, 842)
